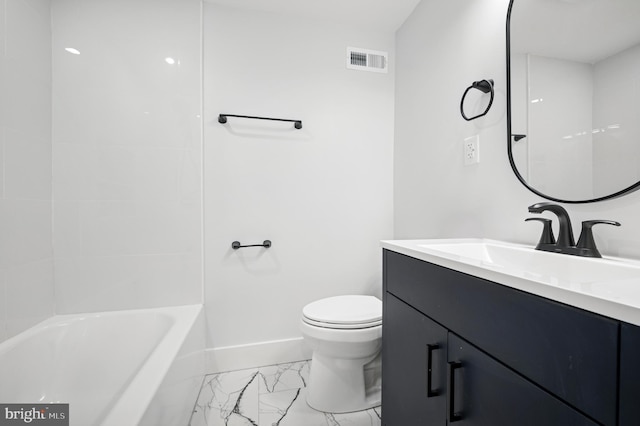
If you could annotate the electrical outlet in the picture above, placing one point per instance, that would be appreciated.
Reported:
(472, 150)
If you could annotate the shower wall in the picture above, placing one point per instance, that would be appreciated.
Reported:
(26, 257)
(126, 154)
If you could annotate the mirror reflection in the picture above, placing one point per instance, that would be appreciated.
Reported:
(575, 97)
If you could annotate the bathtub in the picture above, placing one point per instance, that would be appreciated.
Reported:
(121, 368)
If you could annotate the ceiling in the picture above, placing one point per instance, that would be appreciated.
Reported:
(378, 15)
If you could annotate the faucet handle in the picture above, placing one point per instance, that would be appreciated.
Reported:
(547, 236)
(586, 241)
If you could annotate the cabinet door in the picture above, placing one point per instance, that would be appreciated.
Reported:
(412, 393)
(629, 375)
(485, 392)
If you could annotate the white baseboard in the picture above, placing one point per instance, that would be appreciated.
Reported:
(253, 355)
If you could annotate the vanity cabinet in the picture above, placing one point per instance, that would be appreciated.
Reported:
(503, 357)
(434, 377)
(414, 383)
(629, 375)
(488, 393)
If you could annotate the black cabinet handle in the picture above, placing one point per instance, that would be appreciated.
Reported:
(451, 393)
(430, 391)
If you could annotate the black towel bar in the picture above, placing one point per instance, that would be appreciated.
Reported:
(236, 245)
(222, 118)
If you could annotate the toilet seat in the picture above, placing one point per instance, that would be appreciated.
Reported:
(344, 312)
(345, 335)
(339, 326)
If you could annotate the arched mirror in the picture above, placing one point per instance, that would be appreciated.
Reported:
(573, 95)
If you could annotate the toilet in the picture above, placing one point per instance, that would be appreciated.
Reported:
(345, 335)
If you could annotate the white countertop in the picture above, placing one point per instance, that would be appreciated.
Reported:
(609, 286)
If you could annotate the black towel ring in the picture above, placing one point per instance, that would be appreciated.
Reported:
(485, 86)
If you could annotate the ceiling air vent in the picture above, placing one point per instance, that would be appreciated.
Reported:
(367, 60)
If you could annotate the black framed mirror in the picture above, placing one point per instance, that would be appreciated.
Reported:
(573, 97)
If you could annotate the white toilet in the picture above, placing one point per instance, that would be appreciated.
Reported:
(345, 334)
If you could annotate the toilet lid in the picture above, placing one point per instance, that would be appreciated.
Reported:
(344, 312)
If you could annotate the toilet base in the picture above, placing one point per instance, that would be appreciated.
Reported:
(344, 385)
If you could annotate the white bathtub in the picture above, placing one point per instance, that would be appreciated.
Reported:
(113, 368)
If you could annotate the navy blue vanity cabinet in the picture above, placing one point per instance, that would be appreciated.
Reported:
(413, 377)
(485, 392)
(517, 348)
(629, 375)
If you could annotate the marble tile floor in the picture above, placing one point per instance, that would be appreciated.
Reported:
(267, 396)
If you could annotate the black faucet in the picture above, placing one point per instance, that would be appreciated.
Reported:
(565, 231)
(566, 244)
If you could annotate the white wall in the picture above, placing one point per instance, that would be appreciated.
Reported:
(26, 258)
(127, 154)
(322, 194)
(441, 49)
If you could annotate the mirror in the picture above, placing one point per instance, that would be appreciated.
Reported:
(573, 97)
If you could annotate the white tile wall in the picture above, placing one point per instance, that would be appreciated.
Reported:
(2, 28)
(117, 172)
(3, 307)
(29, 288)
(25, 230)
(26, 253)
(28, 174)
(28, 69)
(3, 297)
(125, 157)
(127, 154)
(2, 131)
(125, 282)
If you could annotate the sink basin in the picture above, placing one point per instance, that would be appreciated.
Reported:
(609, 286)
(527, 262)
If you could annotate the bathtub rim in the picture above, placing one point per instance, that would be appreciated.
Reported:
(131, 405)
